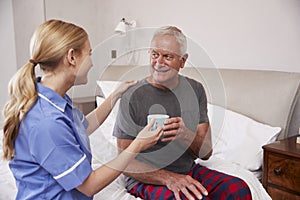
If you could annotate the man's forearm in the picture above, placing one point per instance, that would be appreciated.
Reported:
(199, 143)
(142, 171)
(204, 135)
(146, 173)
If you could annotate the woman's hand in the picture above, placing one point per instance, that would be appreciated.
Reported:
(147, 138)
(97, 117)
(122, 88)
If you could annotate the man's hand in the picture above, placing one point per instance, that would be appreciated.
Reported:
(199, 143)
(174, 128)
(187, 185)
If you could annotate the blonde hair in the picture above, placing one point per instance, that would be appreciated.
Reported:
(50, 43)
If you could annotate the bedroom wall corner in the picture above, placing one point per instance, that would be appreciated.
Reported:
(295, 119)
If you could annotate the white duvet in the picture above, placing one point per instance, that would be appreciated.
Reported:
(257, 190)
(103, 147)
(116, 190)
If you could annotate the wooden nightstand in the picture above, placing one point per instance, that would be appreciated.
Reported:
(85, 104)
(281, 169)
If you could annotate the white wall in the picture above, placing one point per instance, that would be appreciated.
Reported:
(236, 34)
(79, 12)
(27, 15)
(18, 19)
(7, 50)
(82, 13)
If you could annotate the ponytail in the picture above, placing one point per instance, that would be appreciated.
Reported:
(49, 44)
(23, 94)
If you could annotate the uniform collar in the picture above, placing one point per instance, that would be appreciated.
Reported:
(53, 98)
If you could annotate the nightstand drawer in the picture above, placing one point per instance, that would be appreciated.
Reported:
(281, 195)
(283, 171)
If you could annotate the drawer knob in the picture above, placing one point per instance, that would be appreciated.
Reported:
(277, 171)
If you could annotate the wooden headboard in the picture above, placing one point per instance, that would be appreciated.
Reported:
(266, 96)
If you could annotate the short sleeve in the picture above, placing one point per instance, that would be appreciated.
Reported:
(81, 117)
(54, 146)
(125, 126)
(202, 104)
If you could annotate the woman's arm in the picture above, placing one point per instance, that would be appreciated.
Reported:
(105, 174)
(151, 175)
(99, 114)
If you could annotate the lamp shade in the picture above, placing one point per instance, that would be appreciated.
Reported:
(121, 27)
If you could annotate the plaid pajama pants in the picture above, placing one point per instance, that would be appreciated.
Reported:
(219, 186)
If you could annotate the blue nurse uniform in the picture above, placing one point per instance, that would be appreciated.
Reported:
(52, 152)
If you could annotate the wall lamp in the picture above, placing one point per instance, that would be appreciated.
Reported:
(122, 26)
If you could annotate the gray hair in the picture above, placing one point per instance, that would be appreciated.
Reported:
(177, 33)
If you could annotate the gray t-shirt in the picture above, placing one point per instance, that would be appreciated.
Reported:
(187, 100)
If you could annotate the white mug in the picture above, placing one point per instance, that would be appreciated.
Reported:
(159, 119)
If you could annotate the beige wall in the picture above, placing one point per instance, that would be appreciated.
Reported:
(7, 50)
(235, 34)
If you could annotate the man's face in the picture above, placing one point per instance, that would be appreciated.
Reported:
(165, 60)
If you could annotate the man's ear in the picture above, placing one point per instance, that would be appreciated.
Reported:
(183, 60)
(71, 57)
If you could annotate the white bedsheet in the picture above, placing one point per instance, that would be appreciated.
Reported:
(103, 147)
(257, 190)
(7, 184)
(116, 191)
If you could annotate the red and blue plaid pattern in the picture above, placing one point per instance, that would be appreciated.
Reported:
(219, 186)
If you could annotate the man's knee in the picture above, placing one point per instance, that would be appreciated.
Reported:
(238, 189)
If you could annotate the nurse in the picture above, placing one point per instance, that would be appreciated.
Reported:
(45, 135)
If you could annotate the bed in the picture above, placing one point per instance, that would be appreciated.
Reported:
(247, 109)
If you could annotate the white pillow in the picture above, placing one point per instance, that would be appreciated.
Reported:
(103, 143)
(108, 87)
(239, 139)
(235, 137)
